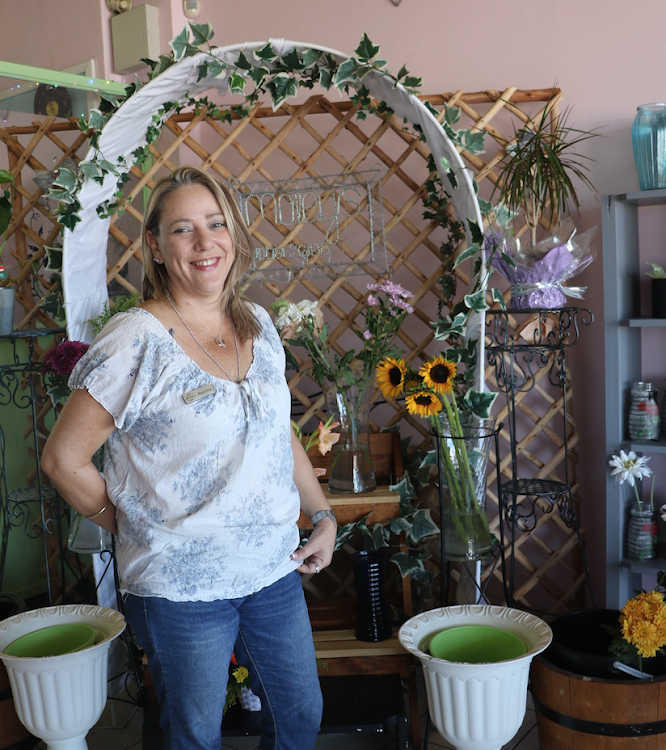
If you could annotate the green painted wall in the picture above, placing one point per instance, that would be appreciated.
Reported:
(25, 556)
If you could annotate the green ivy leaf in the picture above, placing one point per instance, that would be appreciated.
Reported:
(292, 60)
(6, 212)
(53, 258)
(503, 214)
(51, 304)
(405, 488)
(475, 231)
(96, 120)
(257, 75)
(180, 43)
(366, 50)
(499, 298)
(406, 564)
(90, 170)
(152, 64)
(402, 72)
(473, 142)
(216, 68)
(451, 114)
(346, 73)
(508, 260)
(447, 327)
(430, 459)
(66, 178)
(467, 253)
(203, 71)
(107, 166)
(344, 535)
(477, 301)
(266, 54)
(325, 78)
(423, 526)
(485, 207)
(479, 403)
(237, 83)
(412, 82)
(110, 98)
(400, 524)
(243, 63)
(281, 87)
(446, 166)
(201, 33)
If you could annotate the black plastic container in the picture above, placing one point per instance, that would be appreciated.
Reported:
(659, 298)
(580, 644)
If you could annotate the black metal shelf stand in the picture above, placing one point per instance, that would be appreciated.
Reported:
(516, 365)
(24, 386)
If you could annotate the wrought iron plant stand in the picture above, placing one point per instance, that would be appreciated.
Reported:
(516, 365)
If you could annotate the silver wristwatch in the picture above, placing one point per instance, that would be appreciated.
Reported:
(324, 514)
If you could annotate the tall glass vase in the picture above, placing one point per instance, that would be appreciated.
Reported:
(85, 536)
(351, 464)
(648, 138)
(463, 466)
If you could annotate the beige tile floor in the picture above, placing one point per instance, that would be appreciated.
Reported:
(119, 728)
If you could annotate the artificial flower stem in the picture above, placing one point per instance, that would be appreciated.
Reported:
(652, 495)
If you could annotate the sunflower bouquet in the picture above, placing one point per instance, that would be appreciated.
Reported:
(462, 434)
(642, 631)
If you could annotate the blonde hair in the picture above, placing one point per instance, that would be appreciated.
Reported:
(156, 278)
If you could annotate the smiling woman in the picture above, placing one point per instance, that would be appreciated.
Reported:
(206, 477)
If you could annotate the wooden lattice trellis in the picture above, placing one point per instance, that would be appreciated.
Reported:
(317, 138)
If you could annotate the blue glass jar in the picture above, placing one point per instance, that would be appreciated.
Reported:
(648, 137)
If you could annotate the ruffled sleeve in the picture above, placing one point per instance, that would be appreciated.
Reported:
(122, 366)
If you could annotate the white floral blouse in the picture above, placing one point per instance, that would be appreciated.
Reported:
(206, 502)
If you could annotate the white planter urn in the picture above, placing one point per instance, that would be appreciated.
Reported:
(476, 706)
(60, 698)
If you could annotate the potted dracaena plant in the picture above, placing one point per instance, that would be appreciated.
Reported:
(536, 182)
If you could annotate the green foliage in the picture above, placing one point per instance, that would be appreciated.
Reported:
(120, 304)
(657, 271)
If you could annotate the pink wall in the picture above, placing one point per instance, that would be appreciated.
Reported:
(606, 56)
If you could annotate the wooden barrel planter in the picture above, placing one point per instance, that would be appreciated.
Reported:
(576, 712)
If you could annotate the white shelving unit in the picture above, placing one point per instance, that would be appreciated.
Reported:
(623, 326)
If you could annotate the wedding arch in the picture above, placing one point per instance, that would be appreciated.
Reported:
(127, 130)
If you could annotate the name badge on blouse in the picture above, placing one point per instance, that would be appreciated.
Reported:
(198, 393)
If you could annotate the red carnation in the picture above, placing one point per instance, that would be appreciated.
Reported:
(62, 358)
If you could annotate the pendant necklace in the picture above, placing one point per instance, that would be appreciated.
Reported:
(205, 351)
(217, 339)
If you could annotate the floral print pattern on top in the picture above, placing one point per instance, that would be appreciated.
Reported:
(205, 497)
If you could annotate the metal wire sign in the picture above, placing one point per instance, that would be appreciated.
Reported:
(314, 227)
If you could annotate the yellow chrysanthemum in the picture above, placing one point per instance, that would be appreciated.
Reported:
(438, 374)
(423, 404)
(240, 674)
(390, 376)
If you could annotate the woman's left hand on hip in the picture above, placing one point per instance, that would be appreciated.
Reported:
(318, 550)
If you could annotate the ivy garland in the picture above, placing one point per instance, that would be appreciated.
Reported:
(280, 77)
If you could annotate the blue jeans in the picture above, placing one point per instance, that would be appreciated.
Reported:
(189, 647)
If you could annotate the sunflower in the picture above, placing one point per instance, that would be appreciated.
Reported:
(423, 403)
(438, 374)
(390, 375)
